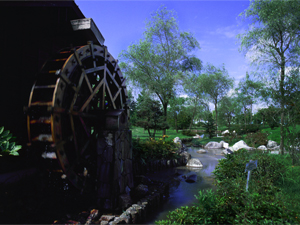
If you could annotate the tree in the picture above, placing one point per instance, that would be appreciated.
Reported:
(149, 114)
(248, 92)
(215, 84)
(157, 61)
(227, 109)
(210, 126)
(273, 38)
(176, 105)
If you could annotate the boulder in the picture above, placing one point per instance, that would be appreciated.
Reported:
(271, 144)
(225, 132)
(194, 162)
(192, 178)
(201, 151)
(186, 155)
(177, 140)
(213, 144)
(240, 144)
(225, 145)
(197, 136)
(262, 147)
(227, 151)
(141, 190)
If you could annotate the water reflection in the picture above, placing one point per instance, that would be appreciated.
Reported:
(181, 192)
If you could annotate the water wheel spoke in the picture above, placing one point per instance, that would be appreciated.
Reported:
(92, 95)
(84, 127)
(103, 93)
(111, 98)
(74, 134)
(88, 83)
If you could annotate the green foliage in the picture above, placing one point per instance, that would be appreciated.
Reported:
(149, 114)
(256, 139)
(184, 119)
(210, 127)
(232, 137)
(147, 150)
(264, 203)
(188, 133)
(244, 129)
(6, 146)
(155, 63)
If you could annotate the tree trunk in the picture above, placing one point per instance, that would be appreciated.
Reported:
(193, 117)
(282, 105)
(176, 128)
(216, 109)
(165, 106)
(149, 132)
(250, 114)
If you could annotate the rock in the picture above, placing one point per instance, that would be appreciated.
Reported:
(213, 144)
(276, 148)
(191, 178)
(177, 140)
(201, 151)
(194, 163)
(140, 191)
(225, 132)
(227, 151)
(186, 155)
(197, 136)
(225, 145)
(125, 201)
(239, 145)
(262, 147)
(271, 144)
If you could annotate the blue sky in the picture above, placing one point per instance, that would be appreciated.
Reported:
(214, 24)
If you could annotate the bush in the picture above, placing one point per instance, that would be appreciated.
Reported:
(232, 204)
(188, 133)
(242, 129)
(231, 138)
(6, 146)
(256, 139)
(147, 150)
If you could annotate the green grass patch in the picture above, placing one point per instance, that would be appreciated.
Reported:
(138, 132)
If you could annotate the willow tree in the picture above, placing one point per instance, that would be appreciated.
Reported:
(273, 43)
(156, 62)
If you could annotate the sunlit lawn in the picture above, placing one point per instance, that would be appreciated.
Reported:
(138, 132)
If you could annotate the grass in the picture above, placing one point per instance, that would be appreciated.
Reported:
(138, 132)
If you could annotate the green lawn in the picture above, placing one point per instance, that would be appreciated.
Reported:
(138, 132)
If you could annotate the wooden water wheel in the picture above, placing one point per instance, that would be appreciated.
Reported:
(67, 105)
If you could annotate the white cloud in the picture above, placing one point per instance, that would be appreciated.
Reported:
(229, 31)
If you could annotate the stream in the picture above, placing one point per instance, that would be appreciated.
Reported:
(181, 192)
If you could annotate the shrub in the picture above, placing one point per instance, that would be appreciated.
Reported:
(231, 138)
(6, 146)
(256, 139)
(231, 203)
(242, 129)
(146, 150)
(188, 133)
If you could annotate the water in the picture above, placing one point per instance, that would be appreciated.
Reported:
(181, 192)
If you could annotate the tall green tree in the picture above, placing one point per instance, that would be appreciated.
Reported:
(248, 92)
(176, 106)
(149, 114)
(273, 43)
(227, 110)
(215, 83)
(159, 59)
